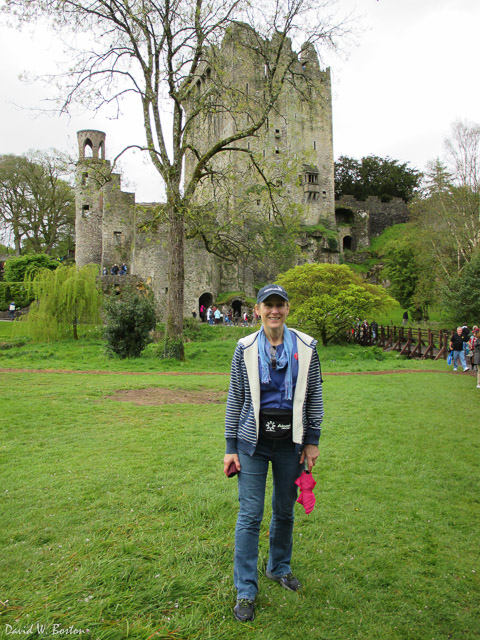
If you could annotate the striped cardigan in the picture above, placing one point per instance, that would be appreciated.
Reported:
(243, 403)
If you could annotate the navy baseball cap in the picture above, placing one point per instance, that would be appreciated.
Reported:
(271, 290)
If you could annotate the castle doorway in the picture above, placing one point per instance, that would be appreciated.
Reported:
(347, 243)
(204, 301)
(237, 309)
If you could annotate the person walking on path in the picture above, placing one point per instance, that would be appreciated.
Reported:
(11, 310)
(274, 412)
(456, 345)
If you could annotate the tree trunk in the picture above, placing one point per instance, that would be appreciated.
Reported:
(324, 337)
(174, 323)
(18, 240)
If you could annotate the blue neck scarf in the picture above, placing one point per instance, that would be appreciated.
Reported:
(284, 361)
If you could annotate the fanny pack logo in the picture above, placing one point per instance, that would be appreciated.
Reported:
(272, 426)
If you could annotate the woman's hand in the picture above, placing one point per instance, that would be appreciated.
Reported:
(311, 452)
(228, 459)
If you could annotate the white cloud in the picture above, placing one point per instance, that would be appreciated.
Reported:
(412, 74)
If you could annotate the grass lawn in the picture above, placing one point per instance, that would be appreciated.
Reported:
(210, 351)
(117, 518)
(437, 319)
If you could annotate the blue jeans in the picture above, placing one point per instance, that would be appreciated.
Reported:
(461, 355)
(251, 495)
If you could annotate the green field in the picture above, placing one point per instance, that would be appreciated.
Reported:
(117, 518)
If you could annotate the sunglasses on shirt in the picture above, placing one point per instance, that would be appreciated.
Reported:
(273, 356)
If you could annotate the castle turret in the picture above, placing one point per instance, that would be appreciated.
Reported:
(93, 171)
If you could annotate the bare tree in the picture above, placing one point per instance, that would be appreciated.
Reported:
(463, 154)
(161, 50)
(37, 206)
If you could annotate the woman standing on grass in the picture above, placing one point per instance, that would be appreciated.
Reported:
(476, 356)
(274, 412)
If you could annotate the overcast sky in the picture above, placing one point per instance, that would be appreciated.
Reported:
(412, 72)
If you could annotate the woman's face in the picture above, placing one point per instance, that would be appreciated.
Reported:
(273, 312)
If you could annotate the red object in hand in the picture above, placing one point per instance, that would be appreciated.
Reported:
(232, 470)
(306, 497)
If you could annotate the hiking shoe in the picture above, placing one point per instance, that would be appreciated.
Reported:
(454, 370)
(466, 369)
(288, 582)
(244, 610)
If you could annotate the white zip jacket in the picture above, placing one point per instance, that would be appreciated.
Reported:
(243, 403)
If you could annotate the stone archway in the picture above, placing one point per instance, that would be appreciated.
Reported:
(237, 310)
(347, 243)
(205, 300)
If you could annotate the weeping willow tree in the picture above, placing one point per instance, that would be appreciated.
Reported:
(64, 298)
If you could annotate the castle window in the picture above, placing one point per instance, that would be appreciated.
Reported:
(85, 210)
(117, 236)
(324, 193)
(314, 145)
(264, 153)
(199, 85)
(258, 203)
(277, 150)
(88, 149)
(209, 73)
(312, 178)
(277, 133)
(101, 150)
(246, 88)
(344, 216)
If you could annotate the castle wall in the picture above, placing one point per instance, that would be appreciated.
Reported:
(385, 214)
(369, 218)
(118, 224)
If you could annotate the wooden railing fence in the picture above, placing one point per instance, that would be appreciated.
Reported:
(414, 343)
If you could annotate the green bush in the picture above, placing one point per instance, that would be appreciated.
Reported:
(129, 322)
(16, 269)
(191, 329)
(14, 292)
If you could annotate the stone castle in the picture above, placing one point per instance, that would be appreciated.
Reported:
(111, 226)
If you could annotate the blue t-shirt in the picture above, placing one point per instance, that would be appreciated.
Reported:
(272, 395)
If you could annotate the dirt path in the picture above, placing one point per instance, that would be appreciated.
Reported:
(214, 373)
(154, 396)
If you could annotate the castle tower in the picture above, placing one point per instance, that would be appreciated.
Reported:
(295, 145)
(92, 173)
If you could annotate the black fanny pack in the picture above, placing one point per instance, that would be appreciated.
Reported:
(276, 424)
